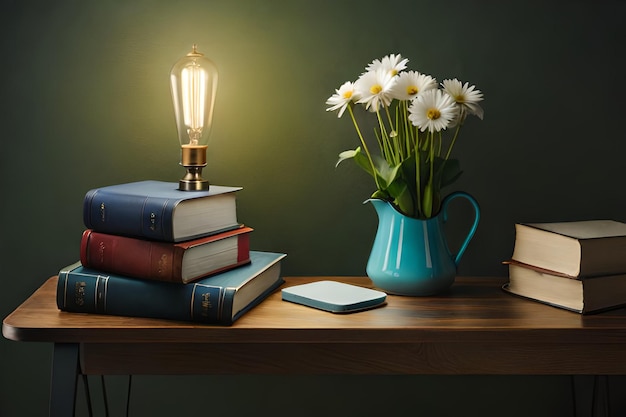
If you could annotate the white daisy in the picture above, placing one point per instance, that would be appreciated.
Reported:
(411, 83)
(342, 98)
(432, 110)
(465, 95)
(374, 89)
(391, 63)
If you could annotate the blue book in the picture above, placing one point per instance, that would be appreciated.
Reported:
(218, 299)
(157, 210)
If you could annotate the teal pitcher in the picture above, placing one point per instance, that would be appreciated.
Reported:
(411, 256)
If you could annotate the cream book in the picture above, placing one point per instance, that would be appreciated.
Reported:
(588, 295)
(577, 249)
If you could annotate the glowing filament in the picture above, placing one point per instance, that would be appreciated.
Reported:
(193, 85)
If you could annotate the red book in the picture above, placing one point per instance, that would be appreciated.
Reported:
(165, 261)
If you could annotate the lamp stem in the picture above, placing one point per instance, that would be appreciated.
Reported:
(193, 159)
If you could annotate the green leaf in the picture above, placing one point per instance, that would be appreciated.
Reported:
(408, 173)
(359, 158)
(363, 161)
(386, 172)
(405, 201)
(381, 195)
(346, 155)
(450, 171)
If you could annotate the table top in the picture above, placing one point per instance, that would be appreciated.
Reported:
(475, 309)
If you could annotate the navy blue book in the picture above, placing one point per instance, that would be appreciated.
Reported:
(218, 299)
(157, 210)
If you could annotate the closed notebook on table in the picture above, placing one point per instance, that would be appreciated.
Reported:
(333, 296)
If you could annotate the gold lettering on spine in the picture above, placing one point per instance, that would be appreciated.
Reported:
(79, 293)
(102, 213)
(206, 304)
(101, 248)
(163, 265)
(152, 221)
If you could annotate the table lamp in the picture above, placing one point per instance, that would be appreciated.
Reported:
(193, 82)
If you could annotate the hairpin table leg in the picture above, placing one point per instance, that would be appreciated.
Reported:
(590, 395)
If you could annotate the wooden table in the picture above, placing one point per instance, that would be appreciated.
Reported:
(475, 328)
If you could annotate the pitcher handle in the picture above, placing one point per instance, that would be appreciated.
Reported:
(470, 234)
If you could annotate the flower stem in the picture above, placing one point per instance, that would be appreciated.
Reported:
(429, 206)
(407, 127)
(365, 148)
(456, 134)
(395, 137)
(391, 157)
(418, 181)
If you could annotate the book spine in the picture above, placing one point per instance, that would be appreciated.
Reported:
(133, 257)
(243, 248)
(87, 292)
(145, 217)
(150, 259)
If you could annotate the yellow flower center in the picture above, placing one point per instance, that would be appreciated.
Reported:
(433, 114)
(376, 88)
(411, 90)
(393, 72)
(459, 99)
(347, 95)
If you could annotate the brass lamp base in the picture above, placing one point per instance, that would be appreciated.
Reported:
(193, 159)
(193, 181)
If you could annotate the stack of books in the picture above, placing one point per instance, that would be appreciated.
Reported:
(150, 250)
(578, 265)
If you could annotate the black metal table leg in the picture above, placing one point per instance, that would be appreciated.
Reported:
(65, 371)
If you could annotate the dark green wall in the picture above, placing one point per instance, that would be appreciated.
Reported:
(85, 102)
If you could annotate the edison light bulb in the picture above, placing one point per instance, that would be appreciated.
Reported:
(194, 85)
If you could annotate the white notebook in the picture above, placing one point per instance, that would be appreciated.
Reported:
(333, 296)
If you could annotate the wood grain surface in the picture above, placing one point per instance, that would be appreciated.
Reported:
(475, 328)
